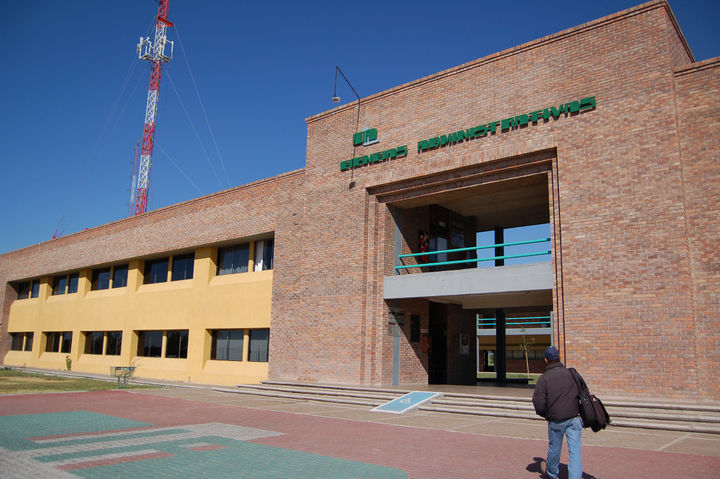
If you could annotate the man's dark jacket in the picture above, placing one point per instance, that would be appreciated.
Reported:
(556, 394)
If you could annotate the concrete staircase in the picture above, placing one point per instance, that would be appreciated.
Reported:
(669, 416)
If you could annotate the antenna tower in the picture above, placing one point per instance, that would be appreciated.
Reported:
(155, 53)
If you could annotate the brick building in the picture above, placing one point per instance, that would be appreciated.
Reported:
(598, 145)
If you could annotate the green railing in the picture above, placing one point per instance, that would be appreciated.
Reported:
(543, 320)
(473, 248)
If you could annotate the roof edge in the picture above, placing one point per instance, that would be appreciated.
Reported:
(152, 213)
(697, 66)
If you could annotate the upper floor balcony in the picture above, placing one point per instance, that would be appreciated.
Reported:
(485, 280)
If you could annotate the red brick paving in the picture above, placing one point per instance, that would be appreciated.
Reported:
(422, 453)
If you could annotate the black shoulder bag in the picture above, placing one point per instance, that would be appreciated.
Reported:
(592, 410)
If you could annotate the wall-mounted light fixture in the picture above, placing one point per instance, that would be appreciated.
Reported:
(335, 98)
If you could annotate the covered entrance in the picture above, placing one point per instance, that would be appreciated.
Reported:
(473, 260)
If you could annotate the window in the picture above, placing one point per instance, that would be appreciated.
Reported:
(177, 343)
(29, 341)
(66, 342)
(58, 342)
(94, 342)
(53, 342)
(23, 290)
(64, 284)
(28, 289)
(73, 283)
(263, 255)
(18, 341)
(101, 278)
(182, 266)
(227, 344)
(120, 273)
(233, 259)
(59, 285)
(258, 347)
(150, 343)
(156, 271)
(114, 343)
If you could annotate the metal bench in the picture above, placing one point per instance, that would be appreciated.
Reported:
(122, 373)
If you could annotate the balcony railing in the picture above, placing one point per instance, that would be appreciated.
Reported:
(473, 260)
(542, 320)
(486, 326)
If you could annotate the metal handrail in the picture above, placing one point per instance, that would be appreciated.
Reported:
(492, 321)
(473, 248)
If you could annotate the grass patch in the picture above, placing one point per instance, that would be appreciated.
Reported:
(19, 382)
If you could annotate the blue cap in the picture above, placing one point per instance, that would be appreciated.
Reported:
(552, 354)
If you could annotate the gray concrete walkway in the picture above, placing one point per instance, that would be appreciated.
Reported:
(630, 438)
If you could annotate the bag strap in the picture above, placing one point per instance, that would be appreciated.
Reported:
(579, 381)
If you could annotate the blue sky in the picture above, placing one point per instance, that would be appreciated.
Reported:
(73, 93)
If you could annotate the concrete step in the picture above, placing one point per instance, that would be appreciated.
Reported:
(671, 416)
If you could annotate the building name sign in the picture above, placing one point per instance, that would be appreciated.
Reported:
(365, 137)
(459, 136)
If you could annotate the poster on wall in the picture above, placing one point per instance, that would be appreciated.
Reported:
(424, 247)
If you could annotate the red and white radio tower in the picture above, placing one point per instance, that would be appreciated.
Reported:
(154, 52)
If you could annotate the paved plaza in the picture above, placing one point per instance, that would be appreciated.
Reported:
(198, 432)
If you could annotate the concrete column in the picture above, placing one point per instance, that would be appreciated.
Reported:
(500, 360)
(499, 239)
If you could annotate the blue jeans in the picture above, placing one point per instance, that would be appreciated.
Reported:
(572, 428)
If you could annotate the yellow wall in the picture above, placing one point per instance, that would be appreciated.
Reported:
(200, 304)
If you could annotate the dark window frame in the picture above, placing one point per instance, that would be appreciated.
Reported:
(183, 266)
(57, 289)
(17, 341)
(268, 254)
(156, 270)
(101, 279)
(176, 343)
(120, 275)
(66, 344)
(147, 344)
(113, 343)
(259, 346)
(230, 259)
(58, 342)
(52, 343)
(94, 342)
(72, 283)
(225, 344)
(23, 289)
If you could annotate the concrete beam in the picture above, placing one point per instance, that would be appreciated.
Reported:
(470, 285)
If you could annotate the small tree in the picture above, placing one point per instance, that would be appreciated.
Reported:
(525, 343)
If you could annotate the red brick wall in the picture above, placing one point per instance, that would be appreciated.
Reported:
(698, 108)
(620, 247)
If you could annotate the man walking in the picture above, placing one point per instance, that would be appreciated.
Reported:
(556, 399)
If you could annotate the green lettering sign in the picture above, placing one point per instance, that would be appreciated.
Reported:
(369, 136)
(377, 157)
